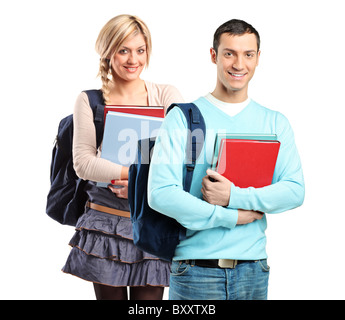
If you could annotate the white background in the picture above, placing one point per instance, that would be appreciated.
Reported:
(48, 57)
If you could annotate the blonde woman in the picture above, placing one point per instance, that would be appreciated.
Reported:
(102, 247)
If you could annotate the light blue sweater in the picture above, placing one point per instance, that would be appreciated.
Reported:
(212, 232)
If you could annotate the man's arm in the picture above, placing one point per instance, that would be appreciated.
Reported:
(286, 191)
(216, 190)
(165, 185)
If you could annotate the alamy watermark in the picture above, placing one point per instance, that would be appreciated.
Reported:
(173, 145)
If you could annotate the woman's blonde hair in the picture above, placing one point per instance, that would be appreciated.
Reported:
(110, 39)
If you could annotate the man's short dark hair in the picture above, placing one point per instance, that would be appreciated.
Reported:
(234, 27)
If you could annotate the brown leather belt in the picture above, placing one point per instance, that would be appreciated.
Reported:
(116, 212)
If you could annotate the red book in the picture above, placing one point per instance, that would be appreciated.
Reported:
(140, 110)
(246, 162)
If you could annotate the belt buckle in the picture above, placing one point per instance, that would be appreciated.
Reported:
(227, 263)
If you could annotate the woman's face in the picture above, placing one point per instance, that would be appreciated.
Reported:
(129, 61)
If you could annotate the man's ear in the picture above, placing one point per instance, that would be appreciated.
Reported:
(259, 53)
(213, 55)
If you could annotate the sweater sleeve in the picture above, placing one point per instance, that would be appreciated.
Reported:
(165, 184)
(287, 189)
(87, 163)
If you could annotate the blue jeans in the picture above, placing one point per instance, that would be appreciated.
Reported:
(247, 281)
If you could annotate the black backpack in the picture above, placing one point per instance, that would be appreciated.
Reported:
(66, 198)
(154, 232)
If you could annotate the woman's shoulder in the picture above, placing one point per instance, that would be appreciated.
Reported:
(164, 94)
(82, 105)
(158, 87)
(82, 99)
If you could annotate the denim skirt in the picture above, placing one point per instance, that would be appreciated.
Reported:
(103, 250)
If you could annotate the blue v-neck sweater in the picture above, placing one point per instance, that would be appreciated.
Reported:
(212, 232)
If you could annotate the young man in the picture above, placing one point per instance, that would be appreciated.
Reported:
(223, 255)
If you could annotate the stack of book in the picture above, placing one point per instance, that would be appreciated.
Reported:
(247, 160)
(124, 127)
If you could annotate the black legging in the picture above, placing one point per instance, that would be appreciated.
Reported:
(104, 292)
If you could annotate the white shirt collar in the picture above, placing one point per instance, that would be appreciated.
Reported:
(230, 109)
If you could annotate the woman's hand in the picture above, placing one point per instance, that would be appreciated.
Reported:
(122, 190)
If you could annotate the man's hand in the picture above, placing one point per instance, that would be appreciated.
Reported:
(246, 216)
(217, 191)
(121, 192)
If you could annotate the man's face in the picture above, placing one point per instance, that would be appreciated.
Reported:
(236, 62)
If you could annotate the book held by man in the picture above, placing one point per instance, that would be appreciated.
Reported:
(246, 160)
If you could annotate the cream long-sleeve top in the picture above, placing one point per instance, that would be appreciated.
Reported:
(86, 158)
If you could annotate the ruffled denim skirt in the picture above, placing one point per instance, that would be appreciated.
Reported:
(103, 250)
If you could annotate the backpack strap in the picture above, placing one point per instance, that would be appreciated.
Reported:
(195, 139)
(97, 103)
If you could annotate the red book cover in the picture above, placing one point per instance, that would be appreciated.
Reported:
(248, 163)
(140, 110)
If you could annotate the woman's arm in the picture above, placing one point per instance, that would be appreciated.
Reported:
(87, 163)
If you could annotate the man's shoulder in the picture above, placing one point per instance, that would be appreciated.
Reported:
(204, 105)
(261, 107)
(268, 110)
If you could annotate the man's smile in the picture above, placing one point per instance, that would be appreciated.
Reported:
(237, 76)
